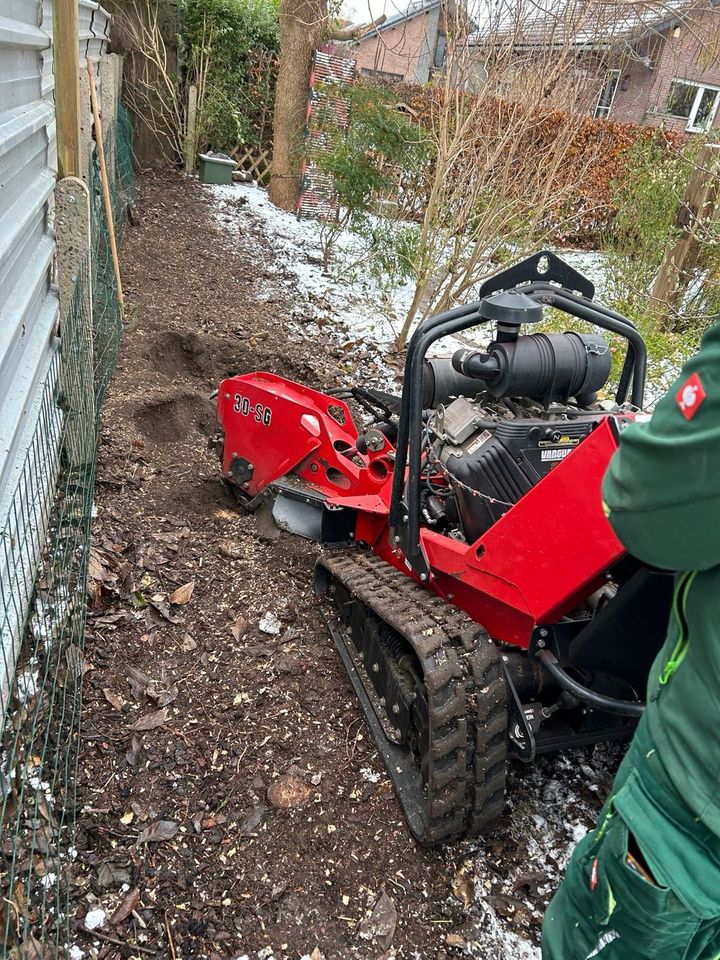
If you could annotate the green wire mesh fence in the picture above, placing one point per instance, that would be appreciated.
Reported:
(40, 708)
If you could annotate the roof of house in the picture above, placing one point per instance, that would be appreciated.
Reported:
(581, 23)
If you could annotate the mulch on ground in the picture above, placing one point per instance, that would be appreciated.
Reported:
(214, 695)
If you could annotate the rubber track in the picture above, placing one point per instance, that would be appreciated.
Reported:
(465, 686)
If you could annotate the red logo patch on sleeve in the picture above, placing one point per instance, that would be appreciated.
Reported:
(690, 396)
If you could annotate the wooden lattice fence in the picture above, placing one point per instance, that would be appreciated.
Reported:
(257, 163)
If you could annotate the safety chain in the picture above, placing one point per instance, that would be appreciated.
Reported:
(435, 461)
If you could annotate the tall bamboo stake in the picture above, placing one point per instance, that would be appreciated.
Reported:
(104, 182)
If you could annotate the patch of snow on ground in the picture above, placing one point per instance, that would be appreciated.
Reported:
(355, 306)
(352, 309)
(95, 919)
(358, 313)
(26, 684)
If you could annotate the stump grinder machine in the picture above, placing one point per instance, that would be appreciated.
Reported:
(479, 600)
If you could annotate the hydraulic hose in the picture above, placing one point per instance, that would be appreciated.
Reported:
(623, 708)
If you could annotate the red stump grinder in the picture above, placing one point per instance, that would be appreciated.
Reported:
(481, 604)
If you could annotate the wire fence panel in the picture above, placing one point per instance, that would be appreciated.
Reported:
(39, 747)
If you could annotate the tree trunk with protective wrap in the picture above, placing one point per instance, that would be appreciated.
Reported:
(302, 26)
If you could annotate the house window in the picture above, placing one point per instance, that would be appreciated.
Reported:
(607, 94)
(693, 102)
(440, 51)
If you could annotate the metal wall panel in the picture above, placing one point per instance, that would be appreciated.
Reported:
(29, 345)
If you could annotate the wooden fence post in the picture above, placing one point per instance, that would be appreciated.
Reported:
(696, 209)
(87, 144)
(191, 133)
(66, 62)
(72, 229)
(107, 72)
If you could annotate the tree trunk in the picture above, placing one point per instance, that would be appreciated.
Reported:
(681, 256)
(302, 25)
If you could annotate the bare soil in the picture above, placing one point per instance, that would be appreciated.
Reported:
(192, 712)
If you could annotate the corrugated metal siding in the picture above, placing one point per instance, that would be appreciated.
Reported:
(94, 35)
(28, 299)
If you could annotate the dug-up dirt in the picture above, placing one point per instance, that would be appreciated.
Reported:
(231, 802)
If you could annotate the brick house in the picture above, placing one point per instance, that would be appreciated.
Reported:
(633, 63)
(408, 46)
(673, 76)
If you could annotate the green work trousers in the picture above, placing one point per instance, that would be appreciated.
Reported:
(605, 908)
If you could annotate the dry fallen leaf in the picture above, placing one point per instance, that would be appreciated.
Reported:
(158, 831)
(151, 720)
(77, 665)
(126, 907)
(113, 875)
(380, 925)
(114, 699)
(45, 811)
(127, 818)
(140, 683)
(134, 752)
(238, 628)
(182, 594)
(462, 886)
(31, 949)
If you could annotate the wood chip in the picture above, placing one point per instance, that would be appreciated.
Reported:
(288, 792)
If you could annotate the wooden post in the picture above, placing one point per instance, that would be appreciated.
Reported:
(104, 182)
(66, 62)
(191, 129)
(72, 231)
(681, 256)
(107, 72)
(87, 144)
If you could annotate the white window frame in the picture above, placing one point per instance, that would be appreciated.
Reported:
(701, 88)
(602, 113)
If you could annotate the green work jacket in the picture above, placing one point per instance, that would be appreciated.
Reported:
(662, 496)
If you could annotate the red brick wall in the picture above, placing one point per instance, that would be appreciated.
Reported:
(692, 55)
(396, 50)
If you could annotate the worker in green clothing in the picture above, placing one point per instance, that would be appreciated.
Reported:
(645, 883)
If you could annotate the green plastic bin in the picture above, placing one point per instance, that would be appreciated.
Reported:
(216, 168)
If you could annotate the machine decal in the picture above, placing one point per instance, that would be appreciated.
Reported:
(555, 454)
(260, 413)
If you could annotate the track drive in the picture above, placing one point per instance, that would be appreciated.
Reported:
(432, 687)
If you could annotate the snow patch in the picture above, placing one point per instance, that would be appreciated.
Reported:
(95, 919)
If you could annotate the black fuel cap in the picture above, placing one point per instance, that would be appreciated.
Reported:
(511, 307)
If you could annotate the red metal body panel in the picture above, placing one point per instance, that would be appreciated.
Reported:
(547, 554)
(281, 427)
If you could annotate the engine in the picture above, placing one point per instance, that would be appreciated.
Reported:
(490, 455)
(501, 419)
